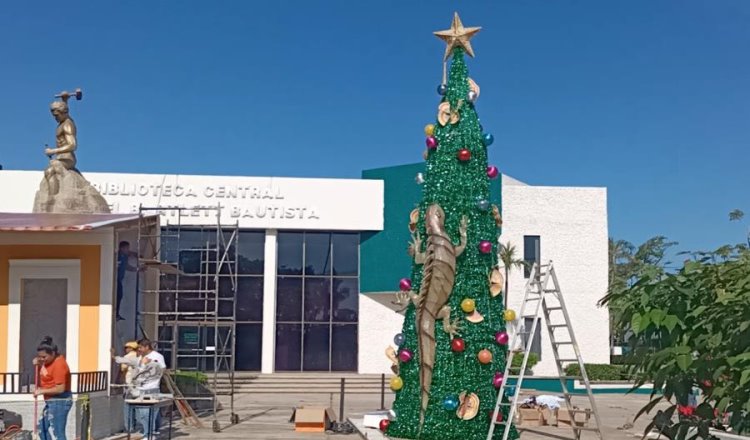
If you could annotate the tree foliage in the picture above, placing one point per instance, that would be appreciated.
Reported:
(509, 262)
(691, 329)
(627, 264)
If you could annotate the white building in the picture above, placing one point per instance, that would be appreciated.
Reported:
(309, 298)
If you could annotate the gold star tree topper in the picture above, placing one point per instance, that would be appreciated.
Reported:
(457, 35)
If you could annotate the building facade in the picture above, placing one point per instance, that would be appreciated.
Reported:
(318, 260)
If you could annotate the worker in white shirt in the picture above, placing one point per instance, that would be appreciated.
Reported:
(150, 367)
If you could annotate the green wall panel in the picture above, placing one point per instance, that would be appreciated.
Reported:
(383, 258)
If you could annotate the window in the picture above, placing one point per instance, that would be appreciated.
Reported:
(536, 343)
(193, 250)
(317, 301)
(531, 253)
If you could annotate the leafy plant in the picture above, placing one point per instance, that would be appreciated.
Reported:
(602, 372)
(196, 377)
(508, 259)
(530, 363)
(691, 329)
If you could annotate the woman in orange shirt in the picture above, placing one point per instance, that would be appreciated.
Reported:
(54, 385)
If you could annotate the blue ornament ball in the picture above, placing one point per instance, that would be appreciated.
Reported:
(488, 139)
(483, 204)
(450, 403)
(442, 89)
(399, 339)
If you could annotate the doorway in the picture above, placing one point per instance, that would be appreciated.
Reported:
(43, 313)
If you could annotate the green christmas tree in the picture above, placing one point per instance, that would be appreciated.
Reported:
(452, 348)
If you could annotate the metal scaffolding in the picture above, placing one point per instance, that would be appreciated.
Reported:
(192, 306)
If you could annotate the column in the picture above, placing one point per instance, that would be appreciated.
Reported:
(269, 302)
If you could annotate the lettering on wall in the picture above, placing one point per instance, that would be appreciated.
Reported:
(237, 201)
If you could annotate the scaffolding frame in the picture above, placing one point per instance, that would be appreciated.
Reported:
(217, 260)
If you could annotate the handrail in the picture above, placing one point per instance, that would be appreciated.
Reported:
(81, 382)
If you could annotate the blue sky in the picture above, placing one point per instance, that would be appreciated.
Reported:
(650, 99)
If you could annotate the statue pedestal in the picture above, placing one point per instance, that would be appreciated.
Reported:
(76, 195)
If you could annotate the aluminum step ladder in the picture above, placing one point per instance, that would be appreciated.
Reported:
(543, 295)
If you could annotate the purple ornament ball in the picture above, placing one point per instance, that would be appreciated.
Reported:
(501, 338)
(431, 142)
(485, 247)
(405, 355)
(405, 284)
(492, 171)
(497, 381)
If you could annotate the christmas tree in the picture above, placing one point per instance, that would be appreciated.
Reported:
(453, 345)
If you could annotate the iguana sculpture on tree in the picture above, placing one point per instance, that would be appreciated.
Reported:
(438, 275)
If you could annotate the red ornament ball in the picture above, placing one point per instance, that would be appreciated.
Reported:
(464, 155)
(457, 345)
(431, 142)
(499, 416)
(384, 424)
(492, 171)
(485, 247)
(405, 355)
(404, 284)
(502, 338)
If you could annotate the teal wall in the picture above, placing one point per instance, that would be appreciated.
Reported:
(383, 258)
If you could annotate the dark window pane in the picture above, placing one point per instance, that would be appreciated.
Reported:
(289, 253)
(164, 342)
(187, 363)
(226, 287)
(536, 343)
(252, 252)
(189, 339)
(288, 347)
(248, 346)
(345, 299)
(165, 334)
(531, 252)
(316, 347)
(345, 254)
(222, 346)
(227, 298)
(225, 307)
(317, 299)
(250, 299)
(344, 350)
(167, 357)
(167, 284)
(317, 253)
(289, 299)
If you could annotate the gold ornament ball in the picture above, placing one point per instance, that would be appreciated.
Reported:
(509, 315)
(396, 383)
(484, 356)
(429, 129)
(468, 305)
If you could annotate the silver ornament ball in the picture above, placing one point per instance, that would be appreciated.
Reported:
(472, 96)
(419, 179)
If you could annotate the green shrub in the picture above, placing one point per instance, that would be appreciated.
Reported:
(602, 372)
(518, 360)
(185, 377)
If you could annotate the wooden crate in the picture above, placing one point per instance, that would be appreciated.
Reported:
(579, 416)
(530, 417)
(312, 419)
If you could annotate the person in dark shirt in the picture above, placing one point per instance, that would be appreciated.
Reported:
(123, 265)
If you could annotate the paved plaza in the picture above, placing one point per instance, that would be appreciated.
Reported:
(266, 416)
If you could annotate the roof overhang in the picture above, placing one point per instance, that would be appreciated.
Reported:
(41, 222)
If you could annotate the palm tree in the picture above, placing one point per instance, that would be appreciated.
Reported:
(737, 215)
(510, 262)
